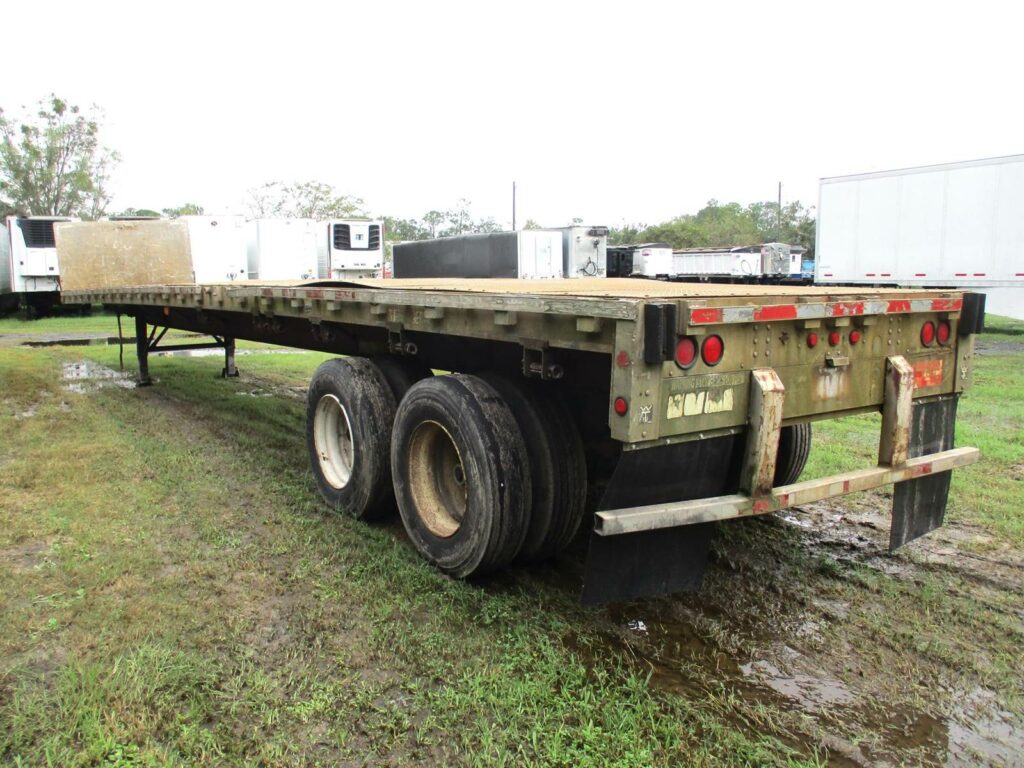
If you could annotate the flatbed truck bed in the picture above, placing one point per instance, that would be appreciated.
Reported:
(649, 410)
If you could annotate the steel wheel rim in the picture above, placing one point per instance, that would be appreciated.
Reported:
(332, 438)
(437, 479)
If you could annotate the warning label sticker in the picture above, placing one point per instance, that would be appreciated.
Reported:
(927, 373)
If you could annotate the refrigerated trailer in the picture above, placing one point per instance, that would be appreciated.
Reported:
(674, 406)
(355, 249)
(285, 249)
(29, 272)
(953, 225)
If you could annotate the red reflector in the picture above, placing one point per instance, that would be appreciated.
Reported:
(928, 333)
(854, 337)
(812, 340)
(834, 338)
(686, 352)
(711, 350)
(621, 406)
(943, 332)
(622, 359)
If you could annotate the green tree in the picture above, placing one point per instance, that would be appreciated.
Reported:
(401, 230)
(531, 224)
(53, 163)
(304, 200)
(188, 209)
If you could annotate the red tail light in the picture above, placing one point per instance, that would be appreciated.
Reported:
(712, 349)
(812, 340)
(686, 352)
(621, 406)
(854, 337)
(943, 332)
(928, 333)
(834, 338)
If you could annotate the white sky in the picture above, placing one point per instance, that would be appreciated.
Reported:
(625, 111)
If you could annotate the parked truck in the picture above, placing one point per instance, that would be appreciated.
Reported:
(638, 413)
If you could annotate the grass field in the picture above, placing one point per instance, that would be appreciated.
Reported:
(176, 594)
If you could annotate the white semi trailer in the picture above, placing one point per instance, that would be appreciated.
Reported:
(952, 225)
(286, 249)
(29, 272)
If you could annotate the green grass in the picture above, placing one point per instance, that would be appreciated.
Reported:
(179, 598)
(175, 594)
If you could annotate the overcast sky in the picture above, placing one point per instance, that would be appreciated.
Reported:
(625, 111)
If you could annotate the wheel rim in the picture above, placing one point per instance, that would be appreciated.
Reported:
(437, 479)
(332, 436)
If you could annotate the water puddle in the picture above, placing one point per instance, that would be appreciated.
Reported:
(85, 376)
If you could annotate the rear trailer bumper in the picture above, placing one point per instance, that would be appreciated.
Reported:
(899, 459)
(657, 541)
(654, 516)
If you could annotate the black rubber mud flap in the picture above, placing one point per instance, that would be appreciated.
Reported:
(649, 563)
(919, 506)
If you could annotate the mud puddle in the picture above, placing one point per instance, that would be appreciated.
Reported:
(800, 663)
(84, 376)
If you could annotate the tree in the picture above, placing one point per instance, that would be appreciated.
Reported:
(304, 200)
(53, 162)
(531, 224)
(188, 209)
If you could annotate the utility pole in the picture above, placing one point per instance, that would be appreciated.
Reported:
(778, 217)
(513, 206)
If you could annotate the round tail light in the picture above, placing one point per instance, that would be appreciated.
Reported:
(854, 337)
(621, 406)
(834, 338)
(812, 340)
(943, 332)
(928, 333)
(712, 349)
(686, 352)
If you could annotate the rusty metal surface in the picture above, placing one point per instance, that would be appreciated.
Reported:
(894, 442)
(93, 255)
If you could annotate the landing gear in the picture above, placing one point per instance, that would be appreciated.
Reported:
(148, 338)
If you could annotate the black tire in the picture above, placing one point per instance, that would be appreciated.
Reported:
(401, 373)
(794, 448)
(349, 414)
(461, 475)
(558, 468)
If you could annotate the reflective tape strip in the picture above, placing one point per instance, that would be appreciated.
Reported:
(771, 312)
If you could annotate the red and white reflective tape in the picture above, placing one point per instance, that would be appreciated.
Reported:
(821, 310)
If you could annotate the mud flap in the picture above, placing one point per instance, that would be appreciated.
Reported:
(919, 506)
(649, 563)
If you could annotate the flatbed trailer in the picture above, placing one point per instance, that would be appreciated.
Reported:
(677, 405)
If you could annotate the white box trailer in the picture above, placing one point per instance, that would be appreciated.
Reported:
(953, 225)
(286, 249)
(355, 249)
(217, 247)
(584, 251)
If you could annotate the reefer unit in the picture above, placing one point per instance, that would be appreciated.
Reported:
(355, 249)
(584, 251)
(285, 249)
(952, 225)
(217, 247)
(529, 253)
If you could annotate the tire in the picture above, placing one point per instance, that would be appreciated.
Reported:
(461, 475)
(558, 469)
(401, 373)
(794, 448)
(349, 414)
